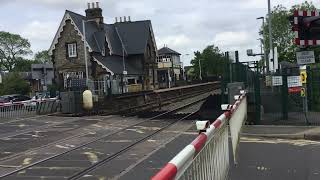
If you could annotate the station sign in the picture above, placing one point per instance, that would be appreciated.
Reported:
(305, 57)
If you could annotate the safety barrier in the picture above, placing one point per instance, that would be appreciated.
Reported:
(29, 108)
(207, 157)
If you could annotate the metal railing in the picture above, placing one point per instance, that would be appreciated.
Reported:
(28, 108)
(207, 157)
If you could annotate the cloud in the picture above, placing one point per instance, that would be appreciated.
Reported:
(40, 31)
(241, 38)
(174, 41)
(186, 26)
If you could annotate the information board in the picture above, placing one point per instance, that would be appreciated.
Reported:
(294, 81)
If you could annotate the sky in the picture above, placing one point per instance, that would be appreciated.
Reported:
(183, 25)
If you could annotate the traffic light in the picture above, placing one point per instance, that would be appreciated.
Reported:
(306, 26)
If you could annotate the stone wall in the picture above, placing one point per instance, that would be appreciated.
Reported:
(62, 63)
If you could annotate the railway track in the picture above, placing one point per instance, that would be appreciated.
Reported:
(91, 148)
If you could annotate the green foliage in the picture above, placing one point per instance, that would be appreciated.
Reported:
(42, 57)
(12, 48)
(212, 62)
(14, 84)
(24, 65)
(282, 34)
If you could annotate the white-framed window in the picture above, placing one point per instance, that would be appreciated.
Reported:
(72, 50)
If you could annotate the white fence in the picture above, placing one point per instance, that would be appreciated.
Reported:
(28, 109)
(207, 157)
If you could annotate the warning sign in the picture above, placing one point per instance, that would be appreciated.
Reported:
(294, 90)
(303, 92)
(303, 76)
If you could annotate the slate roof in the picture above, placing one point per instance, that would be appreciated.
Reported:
(114, 63)
(166, 50)
(134, 35)
(130, 36)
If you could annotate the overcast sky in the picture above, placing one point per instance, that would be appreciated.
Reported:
(184, 25)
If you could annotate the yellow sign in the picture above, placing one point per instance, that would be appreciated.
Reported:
(303, 76)
(303, 92)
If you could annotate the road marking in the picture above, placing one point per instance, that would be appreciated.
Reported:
(299, 142)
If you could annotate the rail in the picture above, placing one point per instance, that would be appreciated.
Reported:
(96, 140)
(207, 157)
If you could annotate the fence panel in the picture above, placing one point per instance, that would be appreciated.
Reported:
(28, 109)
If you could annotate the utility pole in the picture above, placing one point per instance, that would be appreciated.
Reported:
(85, 48)
(266, 61)
(270, 34)
(85, 51)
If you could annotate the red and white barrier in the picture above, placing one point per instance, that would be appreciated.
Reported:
(303, 42)
(208, 154)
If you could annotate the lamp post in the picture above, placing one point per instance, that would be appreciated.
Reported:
(266, 62)
(270, 31)
(85, 48)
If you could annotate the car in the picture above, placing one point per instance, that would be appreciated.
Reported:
(13, 99)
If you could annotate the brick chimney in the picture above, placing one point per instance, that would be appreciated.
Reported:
(94, 12)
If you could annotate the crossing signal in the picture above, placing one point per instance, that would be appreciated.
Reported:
(306, 26)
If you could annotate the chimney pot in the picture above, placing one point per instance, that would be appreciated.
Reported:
(129, 18)
(88, 5)
(116, 19)
(97, 4)
(93, 5)
(124, 19)
(120, 19)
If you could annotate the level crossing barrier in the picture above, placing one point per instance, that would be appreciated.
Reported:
(207, 157)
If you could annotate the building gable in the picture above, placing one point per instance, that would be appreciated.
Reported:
(60, 30)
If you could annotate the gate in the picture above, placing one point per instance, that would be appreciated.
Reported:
(287, 100)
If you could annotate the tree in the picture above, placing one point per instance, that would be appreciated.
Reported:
(12, 47)
(282, 34)
(42, 57)
(14, 84)
(212, 62)
(24, 65)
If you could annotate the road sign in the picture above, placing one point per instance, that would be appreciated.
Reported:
(303, 76)
(293, 90)
(294, 81)
(303, 92)
(305, 57)
(277, 81)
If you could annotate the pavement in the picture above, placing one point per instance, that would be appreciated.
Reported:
(285, 132)
(278, 153)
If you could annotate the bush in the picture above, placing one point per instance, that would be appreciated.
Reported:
(14, 84)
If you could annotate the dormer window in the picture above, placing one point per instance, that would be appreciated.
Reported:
(72, 50)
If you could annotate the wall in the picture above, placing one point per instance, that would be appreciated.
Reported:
(62, 63)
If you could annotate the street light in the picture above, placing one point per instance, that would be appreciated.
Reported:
(266, 62)
(85, 48)
(270, 31)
